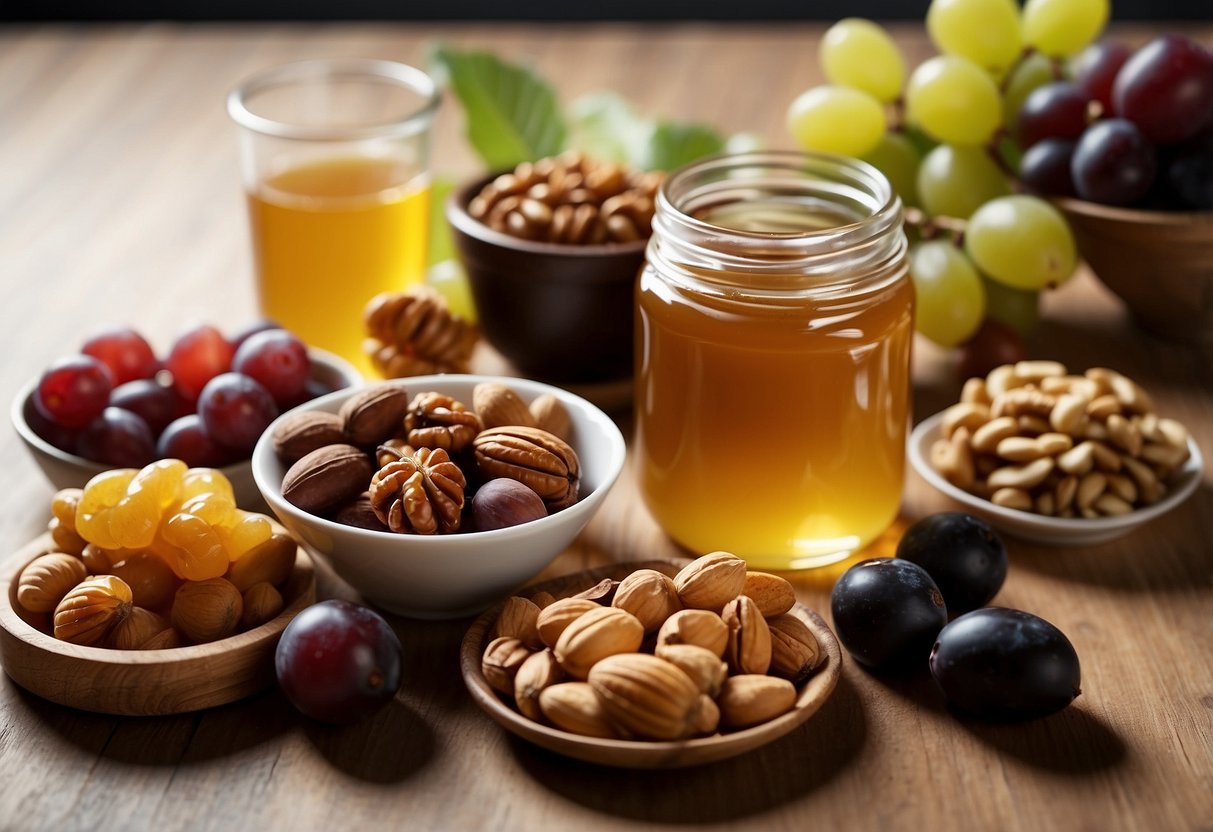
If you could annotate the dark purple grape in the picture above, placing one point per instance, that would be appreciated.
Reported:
(1113, 163)
(1166, 89)
(186, 439)
(962, 554)
(1045, 168)
(150, 401)
(236, 410)
(887, 612)
(119, 438)
(74, 390)
(505, 502)
(1054, 111)
(124, 351)
(1095, 70)
(62, 438)
(277, 360)
(338, 662)
(1189, 173)
(260, 325)
(1002, 664)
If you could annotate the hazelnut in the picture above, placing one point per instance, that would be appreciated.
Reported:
(207, 610)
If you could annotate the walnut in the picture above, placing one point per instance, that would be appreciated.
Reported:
(419, 494)
(437, 421)
(414, 332)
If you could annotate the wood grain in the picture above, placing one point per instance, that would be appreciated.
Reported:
(121, 202)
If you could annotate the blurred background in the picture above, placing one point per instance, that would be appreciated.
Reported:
(90, 10)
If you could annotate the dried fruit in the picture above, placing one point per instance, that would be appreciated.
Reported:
(646, 696)
(594, 636)
(91, 609)
(434, 420)
(137, 629)
(751, 699)
(749, 645)
(152, 581)
(420, 494)
(501, 661)
(699, 627)
(261, 603)
(269, 562)
(519, 619)
(374, 415)
(574, 707)
(498, 405)
(539, 671)
(326, 478)
(553, 619)
(536, 458)
(649, 595)
(711, 581)
(207, 610)
(773, 594)
(46, 579)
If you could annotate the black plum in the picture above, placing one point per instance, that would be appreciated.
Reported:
(962, 554)
(1004, 665)
(887, 613)
(338, 662)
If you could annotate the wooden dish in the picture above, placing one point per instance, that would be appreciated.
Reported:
(141, 682)
(636, 753)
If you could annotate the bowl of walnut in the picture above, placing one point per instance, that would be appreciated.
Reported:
(435, 496)
(552, 250)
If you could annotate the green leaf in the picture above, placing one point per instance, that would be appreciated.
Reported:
(604, 126)
(511, 114)
(674, 144)
(442, 245)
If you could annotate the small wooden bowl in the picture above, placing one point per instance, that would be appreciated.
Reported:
(636, 753)
(141, 682)
(1160, 263)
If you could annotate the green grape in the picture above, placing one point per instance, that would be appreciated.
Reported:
(1017, 308)
(953, 100)
(897, 158)
(949, 298)
(1034, 71)
(1022, 242)
(956, 181)
(984, 31)
(836, 120)
(858, 53)
(1063, 27)
(450, 281)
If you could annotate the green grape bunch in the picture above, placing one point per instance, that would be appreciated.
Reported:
(943, 133)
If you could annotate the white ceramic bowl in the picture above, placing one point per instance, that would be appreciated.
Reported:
(450, 576)
(1054, 531)
(65, 470)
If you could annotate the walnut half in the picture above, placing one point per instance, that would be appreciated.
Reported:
(419, 494)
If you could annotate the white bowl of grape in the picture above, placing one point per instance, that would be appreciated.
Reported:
(1026, 143)
(116, 404)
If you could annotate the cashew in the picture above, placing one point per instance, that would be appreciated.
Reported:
(1025, 476)
(1001, 379)
(1078, 460)
(1131, 395)
(1015, 498)
(971, 416)
(1174, 432)
(1106, 459)
(1112, 506)
(1022, 400)
(1037, 370)
(1064, 493)
(1148, 425)
(974, 392)
(1045, 503)
(1033, 424)
(1122, 486)
(986, 438)
(1053, 444)
(1068, 414)
(1124, 434)
(1103, 407)
(1089, 488)
(1020, 449)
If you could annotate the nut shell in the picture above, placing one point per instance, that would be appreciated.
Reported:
(794, 648)
(498, 405)
(136, 630)
(262, 603)
(650, 596)
(326, 478)
(374, 415)
(711, 581)
(46, 579)
(91, 609)
(554, 618)
(699, 627)
(501, 661)
(595, 635)
(539, 671)
(749, 647)
(574, 707)
(550, 414)
(207, 610)
(705, 668)
(646, 696)
(752, 699)
(519, 619)
(773, 594)
(298, 434)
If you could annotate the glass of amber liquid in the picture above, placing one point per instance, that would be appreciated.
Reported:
(774, 323)
(335, 158)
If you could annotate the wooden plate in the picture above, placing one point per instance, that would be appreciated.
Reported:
(644, 754)
(141, 682)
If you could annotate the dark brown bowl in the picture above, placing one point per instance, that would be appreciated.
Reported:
(1160, 263)
(558, 313)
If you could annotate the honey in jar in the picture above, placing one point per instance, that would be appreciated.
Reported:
(774, 324)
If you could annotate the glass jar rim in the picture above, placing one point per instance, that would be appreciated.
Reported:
(328, 69)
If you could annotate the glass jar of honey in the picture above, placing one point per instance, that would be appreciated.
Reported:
(774, 323)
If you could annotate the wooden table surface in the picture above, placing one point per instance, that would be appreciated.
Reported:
(120, 202)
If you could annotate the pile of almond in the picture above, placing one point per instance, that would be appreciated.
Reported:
(1033, 437)
(651, 657)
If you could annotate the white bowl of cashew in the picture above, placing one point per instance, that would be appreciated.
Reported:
(1039, 528)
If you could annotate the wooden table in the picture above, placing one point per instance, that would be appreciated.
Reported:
(119, 201)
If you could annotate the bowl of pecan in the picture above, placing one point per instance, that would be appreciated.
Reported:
(552, 250)
(435, 496)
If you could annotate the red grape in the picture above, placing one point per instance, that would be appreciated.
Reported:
(1095, 70)
(277, 360)
(74, 390)
(154, 403)
(338, 662)
(196, 357)
(1166, 89)
(124, 351)
(235, 410)
(1045, 168)
(260, 325)
(1057, 110)
(186, 439)
(119, 438)
(62, 438)
(1113, 163)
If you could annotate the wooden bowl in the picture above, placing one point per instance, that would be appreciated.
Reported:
(141, 682)
(1159, 262)
(636, 753)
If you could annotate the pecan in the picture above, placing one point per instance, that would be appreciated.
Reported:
(326, 478)
(414, 332)
(373, 415)
(536, 458)
(420, 494)
(298, 434)
(437, 421)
